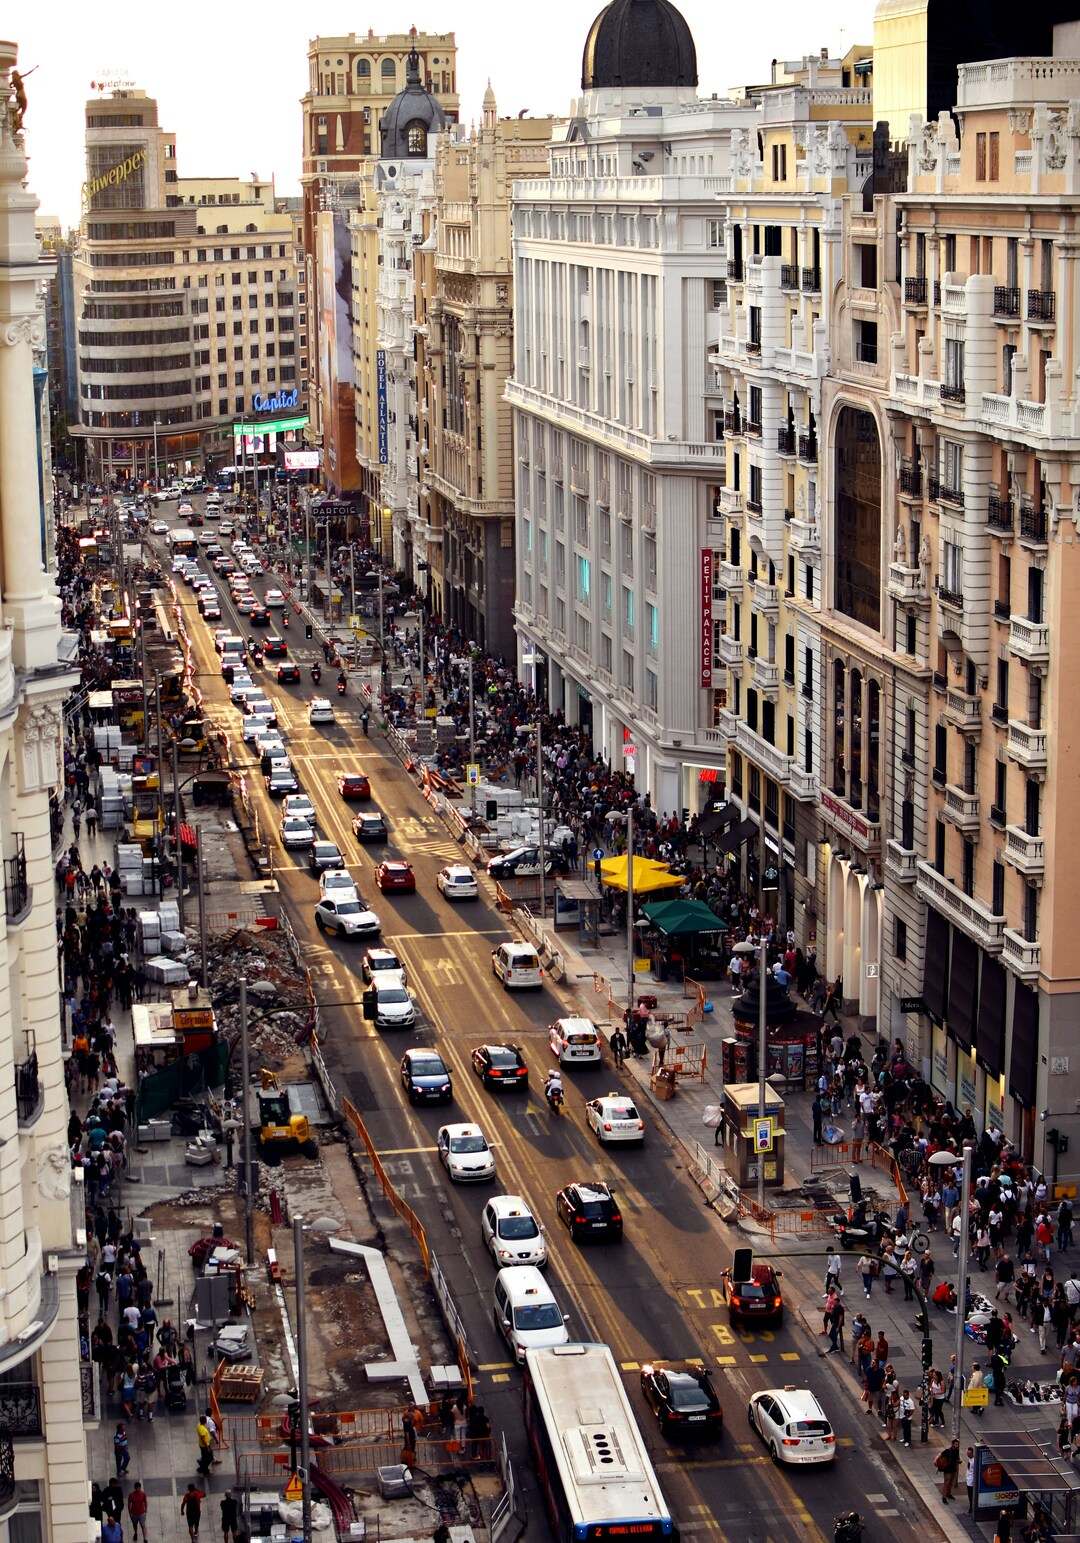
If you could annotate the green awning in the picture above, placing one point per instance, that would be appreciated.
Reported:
(677, 918)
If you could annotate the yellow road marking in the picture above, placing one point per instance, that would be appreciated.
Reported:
(495, 1366)
(725, 1360)
(501, 1377)
(790, 1355)
(758, 1360)
(404, 1151)
(630, 1366)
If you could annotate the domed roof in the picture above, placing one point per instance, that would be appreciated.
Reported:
(411, 117)
(639, 43)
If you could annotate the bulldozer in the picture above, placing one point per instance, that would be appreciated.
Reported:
(280, 1125)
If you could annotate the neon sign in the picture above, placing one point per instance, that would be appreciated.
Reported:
(273, 404)
(114, 176)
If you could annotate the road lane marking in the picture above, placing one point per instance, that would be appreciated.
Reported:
(630, 1366)
(498, 1366)
(790, 1355)
(501, 1377)
(468, 932)
(758, 1360)
(725, 1360)
(403, 1151)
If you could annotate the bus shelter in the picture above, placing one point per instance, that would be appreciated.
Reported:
(1016, 1470)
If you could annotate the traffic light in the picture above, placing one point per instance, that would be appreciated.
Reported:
(921, 1322)
(927, 1352)
(307, 629)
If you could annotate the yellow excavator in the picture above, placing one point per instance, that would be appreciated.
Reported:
(280, 1124)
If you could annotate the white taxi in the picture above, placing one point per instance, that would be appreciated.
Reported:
(321, 710)
(575, 1041)
(465, 1154)
(512, 1235)
(793, 1426)
(614, 1118)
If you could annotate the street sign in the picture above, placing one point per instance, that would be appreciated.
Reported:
(472, 774)
(598, 854)
(872, 971)
(976, 1398)
(763, 1135)
(294, 1490)
(912, 1005)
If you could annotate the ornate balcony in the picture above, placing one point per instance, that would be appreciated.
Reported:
(766, 598)
(999, 514)
(789, 276)
(907, 585)
(962, 809)
(1006, 301)
(1022, 956)
(29, 1094)
(1033, 526)
(910, 480)
(915, 291)
(767, 678)
(786, 441)
(731, 651)
(1024, 851)
(975, 918)
(1041, 306)
(947, 596)
(20, 1409)
(17, 892)
(811, 281)
(964, 711)
(902, 862)
(940, 492)
(1026, 746)
(735, 269)
(1029, 640)
(808, 449)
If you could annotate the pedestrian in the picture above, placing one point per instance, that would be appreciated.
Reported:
(936, 1390)
(191, 1510)
(867, 1268)
(230, 1517)
(976, 1380)
(892, 1416)
(111, 1531)
(816, 1116)
(947, 1463)
(136, 1506)
(206, 1448)
(832, 1274)
(908, 1268)
(907, 1410)
(121, 1449)
(408, 1434)
(969, 1475)
(836, 1327)
(618, 1045)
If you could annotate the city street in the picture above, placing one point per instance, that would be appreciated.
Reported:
(654, 1295)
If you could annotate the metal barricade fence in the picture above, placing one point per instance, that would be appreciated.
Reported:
(343, 1461)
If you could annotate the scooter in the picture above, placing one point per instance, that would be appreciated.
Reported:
(342, 685)
(554, 1098)
(284, 618)
(316, 673)
(848, 1528)
(859, 1230)
(364, 719)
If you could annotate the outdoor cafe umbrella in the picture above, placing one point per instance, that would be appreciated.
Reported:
(678, 918)
(648, 875)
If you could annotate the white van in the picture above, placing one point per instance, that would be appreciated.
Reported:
(526, 1312)
(517, 966)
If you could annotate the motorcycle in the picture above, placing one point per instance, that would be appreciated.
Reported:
(554, 1098)
(257, 655)
(284, 618)
(316, 673)
(859, 1229)
(848, 1528)
(342, 685)
(364, 719)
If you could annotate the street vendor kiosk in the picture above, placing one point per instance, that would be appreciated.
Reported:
(156, 1041)
(193, 1017)
(750, 1138)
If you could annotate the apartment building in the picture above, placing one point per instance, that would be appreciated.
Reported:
(619, 260)
(793, 176)
(43, 1470)
(190, 305)
(982, 952)
(465, 329)
(352, 80)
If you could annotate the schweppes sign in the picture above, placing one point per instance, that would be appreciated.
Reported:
(114, 176)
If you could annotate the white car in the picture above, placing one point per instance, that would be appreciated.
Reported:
(268, 741)
(321, 711)
(337, 882)
(465, 1154)
(394, 1008)
(346, 915)
(517, 966)
(457, 882)
(299, 806)
(251, 727)
(575, 1041)
(275, 599)
(296, 832)
(614, 1117)
(511, 1233)
(793, 1426)
(158, 528)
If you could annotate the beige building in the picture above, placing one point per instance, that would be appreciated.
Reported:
(984, 445)
(189, 301)
(352, 80)
(465, 326)
(43, 1470)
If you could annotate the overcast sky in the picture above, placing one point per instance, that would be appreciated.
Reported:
(228, 77)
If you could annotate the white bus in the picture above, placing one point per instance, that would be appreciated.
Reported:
(182, 540)
(590, 1457)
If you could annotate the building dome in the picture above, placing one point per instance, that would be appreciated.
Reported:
(639, 43)
(412, 116)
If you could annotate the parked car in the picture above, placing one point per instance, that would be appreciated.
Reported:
(575, 1041)
(524, 862)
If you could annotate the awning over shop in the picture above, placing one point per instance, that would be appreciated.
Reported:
(990, 1039)
(718, 816)
(677, 918)
(936, 965)
(1024, 1062)
(963, 988)
(732, 839)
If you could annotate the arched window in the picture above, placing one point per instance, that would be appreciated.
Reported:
(389, 69)
(839, 728)
(857, 544)
(855, 792)
(873, 748)
(363, 68)
(416, 139)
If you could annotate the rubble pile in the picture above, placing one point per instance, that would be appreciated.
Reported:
(277, 993)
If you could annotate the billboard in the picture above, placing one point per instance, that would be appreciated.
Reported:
(380, 391)
(301, 460)
(706, 659)
(336, 350)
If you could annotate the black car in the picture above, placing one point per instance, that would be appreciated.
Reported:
(288, 674)
(325, 855)
(275, 647)
(426, 1077)
(501, 1066)
(683, 1402)
(369, 827)
(589, 1210)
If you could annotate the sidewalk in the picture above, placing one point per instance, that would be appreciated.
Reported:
(803, 1258)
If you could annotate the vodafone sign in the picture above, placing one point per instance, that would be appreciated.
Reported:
(706, 616)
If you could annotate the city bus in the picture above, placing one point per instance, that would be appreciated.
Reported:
(182, 541)
(590, 1457)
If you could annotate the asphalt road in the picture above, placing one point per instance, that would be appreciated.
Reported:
(654, 1296)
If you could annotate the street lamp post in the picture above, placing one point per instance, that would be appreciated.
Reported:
(748, 946)
(949, 1160)
(179, 840)
(472, 735)
(157, 426)
(301, 1379)
(540, 821)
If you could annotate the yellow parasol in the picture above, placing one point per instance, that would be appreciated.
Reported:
(648, 875)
